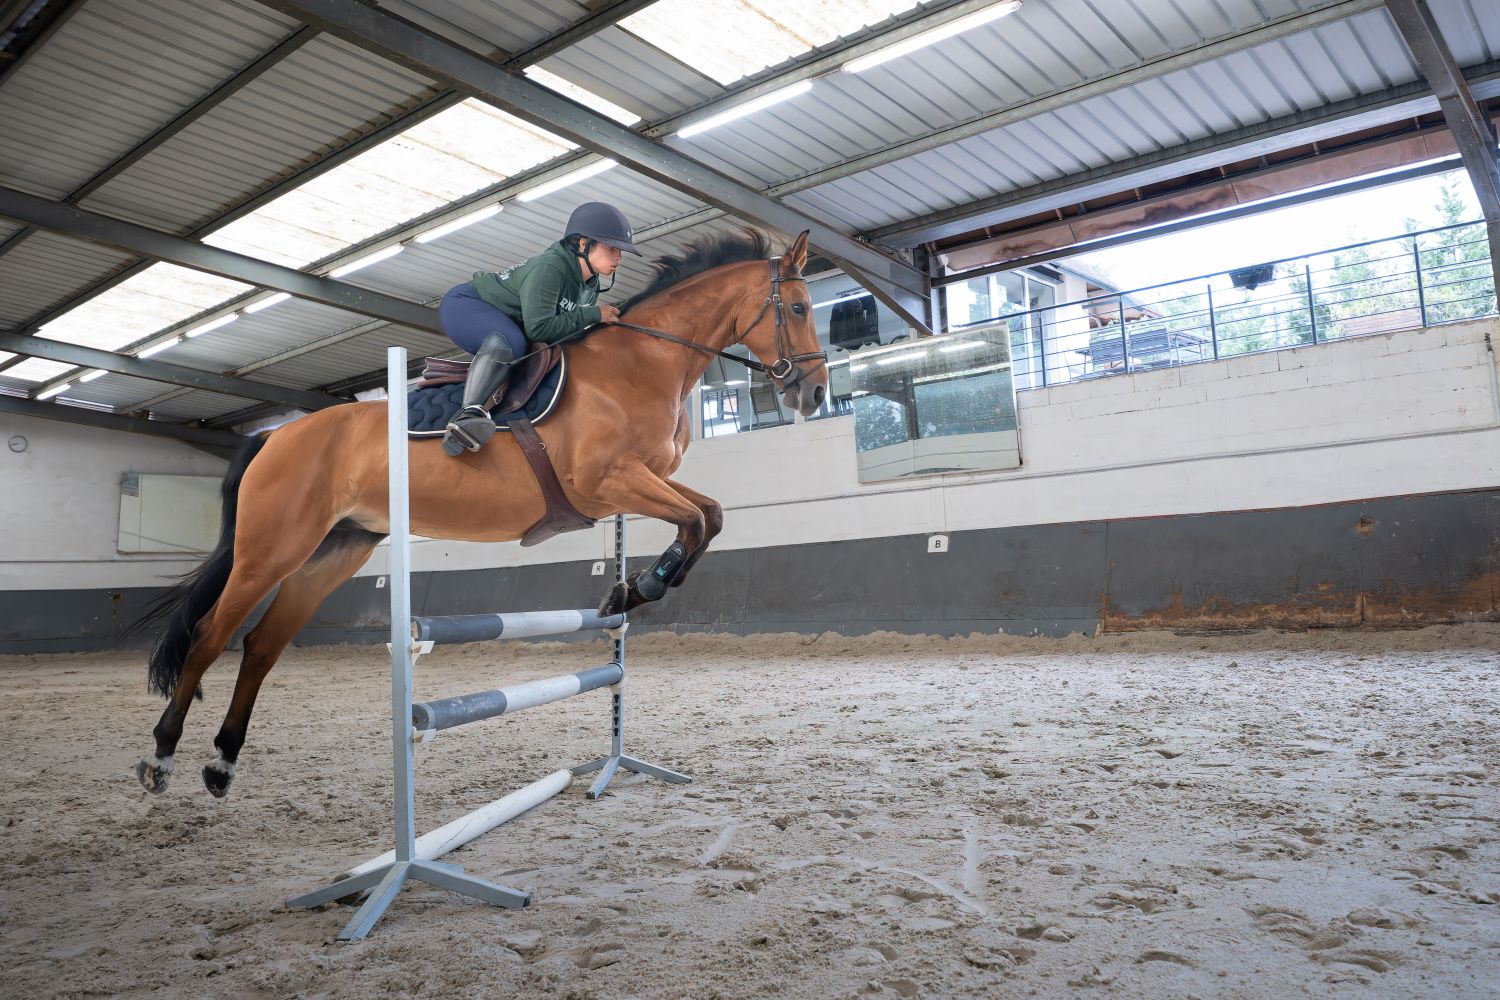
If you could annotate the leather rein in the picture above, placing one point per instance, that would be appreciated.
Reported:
(785, 364)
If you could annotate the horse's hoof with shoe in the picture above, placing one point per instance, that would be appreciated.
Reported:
(154, 774)
(217, 776)
(616, 600)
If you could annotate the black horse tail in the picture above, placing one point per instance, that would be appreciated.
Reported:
(183, 606)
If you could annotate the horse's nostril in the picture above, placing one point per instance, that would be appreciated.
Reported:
(818, 396)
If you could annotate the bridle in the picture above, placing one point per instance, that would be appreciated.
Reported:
(784, 369)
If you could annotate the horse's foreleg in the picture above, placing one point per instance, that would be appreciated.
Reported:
(299, 598)
(639, 490)
(713, 523)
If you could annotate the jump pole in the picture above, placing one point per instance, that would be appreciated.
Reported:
(414, 857)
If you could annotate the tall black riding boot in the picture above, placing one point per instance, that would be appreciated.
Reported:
(471, 426)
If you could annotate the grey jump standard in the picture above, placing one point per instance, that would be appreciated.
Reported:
(416, 857)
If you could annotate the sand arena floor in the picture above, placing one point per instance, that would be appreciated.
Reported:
(1267, 815)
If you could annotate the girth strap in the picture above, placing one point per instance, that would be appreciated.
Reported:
(561, 515)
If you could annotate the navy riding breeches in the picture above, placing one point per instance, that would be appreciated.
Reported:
(467, 320)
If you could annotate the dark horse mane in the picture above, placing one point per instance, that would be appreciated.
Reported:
(703, 255)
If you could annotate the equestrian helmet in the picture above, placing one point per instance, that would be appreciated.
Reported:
(603, 224)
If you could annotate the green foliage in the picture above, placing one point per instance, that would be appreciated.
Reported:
(1456, 271)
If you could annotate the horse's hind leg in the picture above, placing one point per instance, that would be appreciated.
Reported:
(242, 592)
(301, 594)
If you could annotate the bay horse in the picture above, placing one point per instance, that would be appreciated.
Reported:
(305, 504)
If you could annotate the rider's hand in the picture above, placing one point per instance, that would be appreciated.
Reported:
(608, 313)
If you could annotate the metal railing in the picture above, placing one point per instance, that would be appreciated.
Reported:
(1417, 279)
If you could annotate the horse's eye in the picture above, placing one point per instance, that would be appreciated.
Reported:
(799, 309)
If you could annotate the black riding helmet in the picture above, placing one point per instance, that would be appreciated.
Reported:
(597, 222)
(602, 223)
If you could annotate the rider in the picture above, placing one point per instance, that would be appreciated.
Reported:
(548, 298)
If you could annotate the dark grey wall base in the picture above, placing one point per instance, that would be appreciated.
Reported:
(1398, 561)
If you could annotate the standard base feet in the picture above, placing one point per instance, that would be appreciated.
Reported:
(607, 766)
(154, 774)
(384, 883)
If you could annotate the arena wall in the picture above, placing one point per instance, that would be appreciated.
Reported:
(1348, 483)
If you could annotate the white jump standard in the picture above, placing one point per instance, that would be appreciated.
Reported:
(415, 857)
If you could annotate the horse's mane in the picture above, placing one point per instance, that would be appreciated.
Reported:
(704, 254)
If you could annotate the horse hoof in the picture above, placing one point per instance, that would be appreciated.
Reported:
(615, 601)
(153, 774)
(217, 776)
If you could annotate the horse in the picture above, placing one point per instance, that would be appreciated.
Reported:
(305, 504)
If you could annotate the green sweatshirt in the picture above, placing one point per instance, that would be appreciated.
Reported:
(546, 295)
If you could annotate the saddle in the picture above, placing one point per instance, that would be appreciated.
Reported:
(529, 397)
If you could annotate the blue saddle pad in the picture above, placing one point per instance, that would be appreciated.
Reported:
(429, 410)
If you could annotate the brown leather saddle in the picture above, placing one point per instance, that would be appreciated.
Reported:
(528, 375)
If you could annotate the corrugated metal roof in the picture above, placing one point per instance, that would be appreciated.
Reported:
(484, 27)
(88, 96)
(311, 102)
(1269, 81)
(45, 270)
(328, 92)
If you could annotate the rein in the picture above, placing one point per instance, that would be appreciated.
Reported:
(784, 365)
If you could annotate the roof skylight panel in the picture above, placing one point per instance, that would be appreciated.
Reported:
(161, 295)
(464, 149)
(728, 40)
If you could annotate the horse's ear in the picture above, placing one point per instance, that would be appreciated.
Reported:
(795, 258)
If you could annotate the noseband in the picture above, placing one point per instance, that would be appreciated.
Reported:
(785, 364)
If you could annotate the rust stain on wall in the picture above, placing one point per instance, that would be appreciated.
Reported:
(1326, 606)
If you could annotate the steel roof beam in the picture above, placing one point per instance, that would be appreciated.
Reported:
(162, 371)
(217, 441)
(376, 31)
(82, 224)
(1471, 128)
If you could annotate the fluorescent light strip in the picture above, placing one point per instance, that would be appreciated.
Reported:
(558, 183)
(459, 223)
(967, 345)
(748, 108)
(895, 359)
(212, 324)
(841, 298)
(955, 27)
(158, 348)
(267, 302)
(385, 253)
(54, 391)
(96, 373)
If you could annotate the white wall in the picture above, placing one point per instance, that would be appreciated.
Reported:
(1384, 415)
(60, 504)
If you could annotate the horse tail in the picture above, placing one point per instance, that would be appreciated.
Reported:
(183, 606)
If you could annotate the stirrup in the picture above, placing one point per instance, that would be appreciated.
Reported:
(458, 434)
